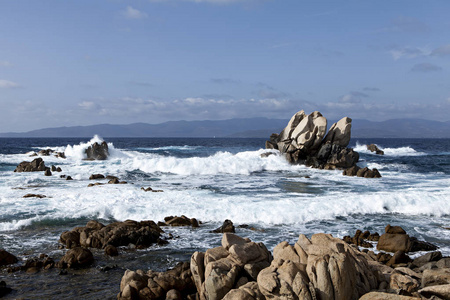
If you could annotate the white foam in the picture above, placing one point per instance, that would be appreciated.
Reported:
(401, 151)
(77, 152)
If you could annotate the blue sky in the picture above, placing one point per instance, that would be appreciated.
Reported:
(84, 62)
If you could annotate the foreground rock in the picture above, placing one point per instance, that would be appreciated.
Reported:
(97, 151)
(96, 235)
(4, 289)
(395, 239)
(34, 166)
(322, 267)
(77, 257)
(173, 284)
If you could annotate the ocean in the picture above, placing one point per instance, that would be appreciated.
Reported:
(210, 179)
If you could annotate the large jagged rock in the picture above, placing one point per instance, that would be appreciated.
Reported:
(97, 151)
(219, 270)
(96, 235)
(322, 267)
(304, 140)
(36, 165)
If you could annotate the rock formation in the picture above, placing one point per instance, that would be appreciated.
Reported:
(96, 235)
(395, 239)
(36, 165)
(7, 258)
(305, 141)
(374, 148)
(97, 151)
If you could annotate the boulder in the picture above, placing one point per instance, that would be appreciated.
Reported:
(34, 196)
(96, 235)
(227, 226)
(7, 258)
(395, 239)
(374, 148)
(181, 221)
(426, 258)
(96, 176)
(77, 257)
(174, 283)
(437, 291)
(97, 151)
(48, 172)
(436, 277)
(34, 166)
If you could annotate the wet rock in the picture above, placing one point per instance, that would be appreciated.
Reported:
(96, 235)
(149, 189)
(96, 176)
(69, 178)
(359, 239)
(374, 148)
(7, 258)
(97, 151)
(110, 250)
(33, 166)
(110, 177)
(227, 226)
(34, 196)
(48, 172)
(95, 184)
(60, 155)
(58, 169)
(77, 257)
(181, 221)
(45, 152)
(53, 168)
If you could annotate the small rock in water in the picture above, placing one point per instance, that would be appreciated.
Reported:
(48, 172)
(69, 178)
(34, 196)
(227, 226)
(96, 176)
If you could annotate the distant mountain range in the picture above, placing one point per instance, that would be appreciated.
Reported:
(242, 128)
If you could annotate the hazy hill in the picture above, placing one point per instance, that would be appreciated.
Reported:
(244, 128)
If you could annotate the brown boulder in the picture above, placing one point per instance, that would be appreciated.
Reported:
(34, 166)
(227, 226)
(76, 258)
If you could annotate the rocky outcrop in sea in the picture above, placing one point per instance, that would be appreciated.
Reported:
(305, 141)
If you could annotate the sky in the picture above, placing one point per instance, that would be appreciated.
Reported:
(85, 62)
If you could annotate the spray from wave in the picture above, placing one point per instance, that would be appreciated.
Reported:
(400, 151)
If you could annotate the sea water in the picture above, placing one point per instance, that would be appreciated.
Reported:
(210, 180)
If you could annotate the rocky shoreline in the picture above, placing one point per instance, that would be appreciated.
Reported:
(319, 267)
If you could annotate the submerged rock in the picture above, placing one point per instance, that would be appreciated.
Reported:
(96, 235)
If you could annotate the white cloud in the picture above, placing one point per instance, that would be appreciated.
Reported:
(88, 105)
(409, 52)
(353, 97)
(132, 13)
(6, 84)
(4, 63)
